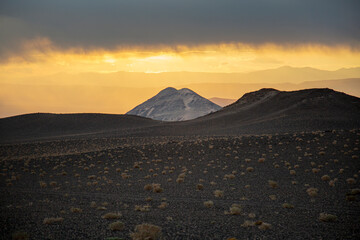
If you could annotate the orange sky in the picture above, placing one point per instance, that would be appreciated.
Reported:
(44, 78)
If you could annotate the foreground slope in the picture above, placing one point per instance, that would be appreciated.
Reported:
(175, 105)
(45, 125)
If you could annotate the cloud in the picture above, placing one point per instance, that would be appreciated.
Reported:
(107, 24)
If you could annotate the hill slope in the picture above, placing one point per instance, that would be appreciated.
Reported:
(270, 110)
(46, 125)
(175, 105)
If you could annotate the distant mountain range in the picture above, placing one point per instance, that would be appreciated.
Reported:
(175, 105)
(222, 102)
(266, 111)
(99, 91)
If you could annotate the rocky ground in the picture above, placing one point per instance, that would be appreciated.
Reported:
(281, 186)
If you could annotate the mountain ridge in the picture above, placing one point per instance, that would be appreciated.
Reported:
(266, 111)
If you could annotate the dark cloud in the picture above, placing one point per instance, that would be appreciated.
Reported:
(109, 23)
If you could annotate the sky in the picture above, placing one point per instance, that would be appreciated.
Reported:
(108, 56)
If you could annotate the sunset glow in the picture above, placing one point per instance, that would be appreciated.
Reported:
(114, 58)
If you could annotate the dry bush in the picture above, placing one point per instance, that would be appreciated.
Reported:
(235, 209)
(111, 215)
(261, 160)
(313, 192)
(199, 187)
(180, 180)
(43, 184)
(287, 205)
(146, 231)
(163, 205)
(250, 169)
(315, 170)
(219, 193)
(325, 178)
(355, 191)
(53, 183)
(248, 223)
(324, 217)
(350, 197)
(116, 226)
(351, 180)
(292, 172)
(75, 210)
(265, 226)
(157, 188)
(209, 204)
(53, 220)
(20, 236)
(145, 208)
(148, 187)
(93, 204)
(273, 184)
(229, 176)
(101, 208)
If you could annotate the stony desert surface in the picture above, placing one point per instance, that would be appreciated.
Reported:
(301, 185)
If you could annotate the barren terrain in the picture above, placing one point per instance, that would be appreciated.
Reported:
(275, 186)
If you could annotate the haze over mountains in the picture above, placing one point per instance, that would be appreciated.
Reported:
(175, 105)
(259, 112)
(99, 91)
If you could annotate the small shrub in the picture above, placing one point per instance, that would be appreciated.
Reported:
(324, 217)
(248, 223)
(163, 205)
(265, 226)
(199, 187)
(219, 193)
(20, 236)
(43, 184)
(116, 226)
(273, 184)
(313, 192)
(325, 178)
(111, 216)
(157, 188)
(209, 204)
(351, 181)
(272, 197)
(250, 169)
(53, 220)
(146, 231)
(288, 205)
(235, 209)
(75, 210)
(148, 187)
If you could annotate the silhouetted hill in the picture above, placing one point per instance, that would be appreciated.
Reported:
(271, 111)
(264, 111)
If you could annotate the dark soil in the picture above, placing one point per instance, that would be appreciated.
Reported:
(95, 169)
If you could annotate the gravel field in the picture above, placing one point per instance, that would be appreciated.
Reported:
(280, 186)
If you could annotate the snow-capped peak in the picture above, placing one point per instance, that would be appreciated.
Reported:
(175, 105)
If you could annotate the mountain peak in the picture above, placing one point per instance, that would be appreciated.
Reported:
(175, 105)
